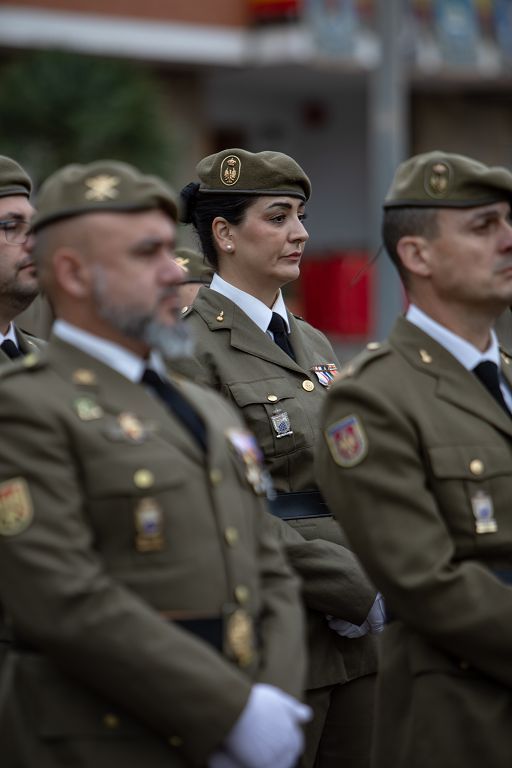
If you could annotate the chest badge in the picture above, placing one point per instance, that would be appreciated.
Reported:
(281, 423)
(325, 373)
(149, 526)
(87, 409)
(483, 512)
(248, 451)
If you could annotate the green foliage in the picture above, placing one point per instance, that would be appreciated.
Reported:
(58, 107)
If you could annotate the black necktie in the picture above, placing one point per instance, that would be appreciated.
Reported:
(487, 372)
(10, 349)
(177, 404)
(278, 328)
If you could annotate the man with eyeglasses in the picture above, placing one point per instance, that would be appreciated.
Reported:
(18, 279)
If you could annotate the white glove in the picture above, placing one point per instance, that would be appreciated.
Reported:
(373, 624)
(267, 734)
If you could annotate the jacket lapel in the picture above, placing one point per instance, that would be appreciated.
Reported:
(115, 394)
(220, 313)
(455, 384)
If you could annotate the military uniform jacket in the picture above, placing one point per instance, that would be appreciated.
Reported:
(417, 466)
(251, 371)
(115, 526)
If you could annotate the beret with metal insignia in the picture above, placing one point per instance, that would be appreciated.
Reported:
(444, 180)
(195, 269)
(13, 179)
(238, 171)
(104, 185)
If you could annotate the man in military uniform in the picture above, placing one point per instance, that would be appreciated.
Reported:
(196, 272)
(155, 620)
(416, 463)
(18, 280)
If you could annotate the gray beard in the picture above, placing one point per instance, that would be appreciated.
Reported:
(172, 342)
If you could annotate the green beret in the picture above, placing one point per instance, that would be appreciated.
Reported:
(240, 172)
(443, 180)
(104, 185)
(13, 179)
(196, 269)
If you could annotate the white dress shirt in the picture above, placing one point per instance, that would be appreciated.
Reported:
(10, 336)
(122, 360)
(255, 309)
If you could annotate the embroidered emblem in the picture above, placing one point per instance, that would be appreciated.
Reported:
(281, 423)
(483, 511)
(87, 409)
(102, 187)
(16, 511)
(437, 179)
(230, 170)
(247, 449)
(182, 262)
(149, 526)
(347, 441)
(325, 373)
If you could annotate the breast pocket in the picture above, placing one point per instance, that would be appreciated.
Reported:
(472, 486)
(273, 412)
(135, 501)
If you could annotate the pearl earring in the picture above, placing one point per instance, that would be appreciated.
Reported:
(229, 247)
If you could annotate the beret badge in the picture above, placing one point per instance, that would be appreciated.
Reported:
(230, 170)
(437, 179)
(102, 187)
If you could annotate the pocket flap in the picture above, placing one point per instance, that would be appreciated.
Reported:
(268, 391)
(477, 462)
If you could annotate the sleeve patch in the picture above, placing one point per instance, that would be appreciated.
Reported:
(16, 510)
(347, 441)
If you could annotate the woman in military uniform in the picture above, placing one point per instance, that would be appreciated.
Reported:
(248, 211)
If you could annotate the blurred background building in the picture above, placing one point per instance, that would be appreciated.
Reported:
(347, 87)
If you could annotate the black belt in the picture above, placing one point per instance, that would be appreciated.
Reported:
(211, 630)
(290, 506)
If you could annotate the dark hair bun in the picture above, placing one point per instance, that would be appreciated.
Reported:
(188, 199)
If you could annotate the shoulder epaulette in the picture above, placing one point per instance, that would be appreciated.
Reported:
(373, 351)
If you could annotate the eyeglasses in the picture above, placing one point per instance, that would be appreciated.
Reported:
(15, 231)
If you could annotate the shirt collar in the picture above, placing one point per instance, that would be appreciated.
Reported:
(258, 312)
(467, 354)
(10, 335)
(120, 359)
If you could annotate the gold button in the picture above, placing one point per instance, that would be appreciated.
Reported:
(111, 721)
(183, 310)
(373, 345)
(308, 385)
(175, 741)
(241, 593)
(215, 476)
(272, 398)
(476, 467)
(143, 478)
(425, 357)
(231, 535)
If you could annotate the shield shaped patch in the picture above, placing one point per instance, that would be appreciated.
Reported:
(347, 441)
